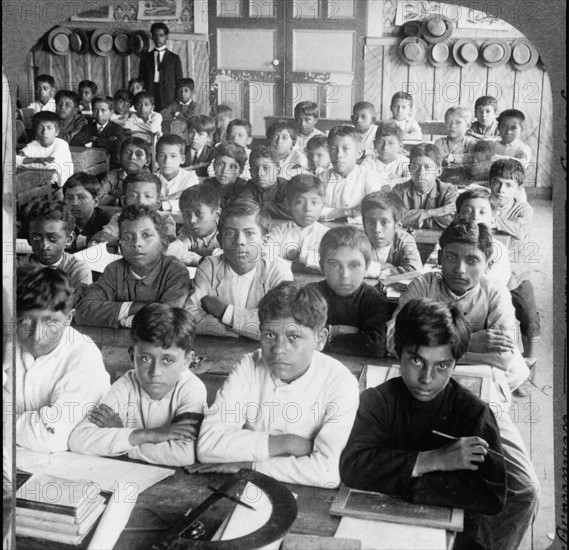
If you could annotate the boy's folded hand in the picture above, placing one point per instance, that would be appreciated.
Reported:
(289, 445)
(104, 417)
(184, 429)
(499, 340)
(463, 454)
(214, 306)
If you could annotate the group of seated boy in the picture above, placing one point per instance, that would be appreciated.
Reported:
(252, 220)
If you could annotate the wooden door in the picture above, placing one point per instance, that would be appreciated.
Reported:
(267, 55)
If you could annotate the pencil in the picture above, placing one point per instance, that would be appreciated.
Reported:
(489, 450)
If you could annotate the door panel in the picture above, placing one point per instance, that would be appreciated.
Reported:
(246, 49)
(314, 51)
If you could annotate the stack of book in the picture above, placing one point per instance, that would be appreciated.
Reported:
(53, 509)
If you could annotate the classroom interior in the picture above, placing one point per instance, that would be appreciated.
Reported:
(252, 56)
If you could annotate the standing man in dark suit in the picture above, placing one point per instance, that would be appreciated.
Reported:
(160, 69)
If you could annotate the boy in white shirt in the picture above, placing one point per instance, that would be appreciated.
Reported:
(145, 121)
(306, 116)
(153, 412)
(229, 286)
(44, 85)
(282, 135)
(388, 160)
(294, 405)
(511, 124)
(363, 118)
(59, 372)
(318, 155)
(170, 155)
(47, 151)
(298, 240)
(347, 182)
(239, 131)
(402, 111)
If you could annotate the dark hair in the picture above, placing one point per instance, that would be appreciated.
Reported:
(462, 112)
(429, 150)
(388, 128)
(317, 142)
(423, 322)
(245, 207)
(344, 235)
(171, 139)
(474, 193)
(51, 211)
(81, 179)
(45, 288)
(222, 108)
(383, 200)
(159, 27)
(306, 108)
(486, 100)
(403, 96)
(137, 142)
(73, 96)
(364, 106)
(483, 146)
(510, 169)
(303, 183)
(263, 152)
(305, 305)
(143, 95)
(186, 83)
(133, 213)
(233, 151)
(240, 122)
(125, 95)
(163, 326)
(46, 116)
(103, 99)
(201, 123)
(280, 125)
(88, 84)
(344, 130)
(476, 234)
(47, 78)
(512, 113)
(202, 193)
(142, 177)
(136, 81)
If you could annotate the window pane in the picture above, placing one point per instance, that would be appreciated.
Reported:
(338, 9)
(261, 99)
(318, 51)
(230, 93)
(303, 9)
(248, 50)
(228, 9)
(261, 9)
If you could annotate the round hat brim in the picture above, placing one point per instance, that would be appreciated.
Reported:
(139, 42)
(534, 55)
(52, 36)
(81, 37)
(456, 51)
(433, 60)
(95, 43)
(118, 46)
(431, 38)
(505, 58)
(413, 40)
(412, 28)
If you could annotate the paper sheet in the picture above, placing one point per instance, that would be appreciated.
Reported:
(97, 257)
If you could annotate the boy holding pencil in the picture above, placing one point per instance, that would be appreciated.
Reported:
(424, 437)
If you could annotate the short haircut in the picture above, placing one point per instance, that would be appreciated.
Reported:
(171, 139)
(423, 322)
(142, 177)
(164, 326)
(476, 234)
(280, 125)
(47, 78)
(159, 27)
(103, 99)
(45, 288)
(240, 122)
(305, 305)
(241, 208)
(201, 123)
(512, 113)
(88, 84)
(388, 128)
(510, 169)
(264, 152)
(46, 116)
(136, 80)
(429, 150)
(137, 142)
(364, 106)
(51, 211)
(304, 183)
(344, 235)
(125, 95)
(234, 151)
(143, 95)
(133, 213)
(384, 200)
(461, 112)
(69, 94)
(474, 193)
(306, 108)
(81, 179)
(223, 109)
(186, 83)
(344, 130)
(317, 142)
(403, 96)
(203, 193)
(483, 146)
(485, 101)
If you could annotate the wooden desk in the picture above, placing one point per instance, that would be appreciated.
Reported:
(92, 160)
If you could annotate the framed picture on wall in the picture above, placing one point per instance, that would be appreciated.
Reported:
(159, 9)
(102, 13)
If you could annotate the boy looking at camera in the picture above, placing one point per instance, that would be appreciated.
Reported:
(306, 117)
(485, 127)
(402, 110)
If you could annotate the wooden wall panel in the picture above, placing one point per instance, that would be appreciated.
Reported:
(447, 82)
(472, 83)
(78, 70)
(201, 74)
(545, 146)
(422, 88)
(500, 84)
(373, 77)
(395, 78)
